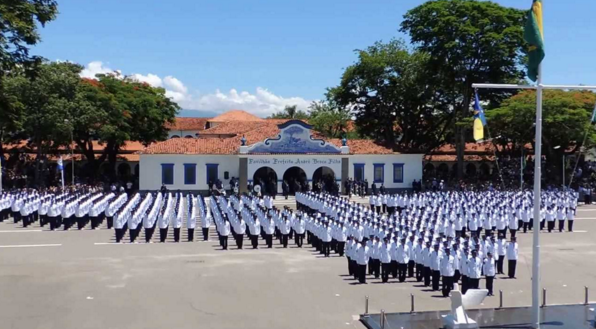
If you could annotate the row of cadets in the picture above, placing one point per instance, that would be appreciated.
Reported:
(165, 216)
(15, 207)
(70, 207)
(222, 223)
(82, 212)
(115, 205)
(44, 205)
(150, 221)
(122, 216)
(139, 213)
(29, 209)
(268, 228)
(98, 210)
(178, 216)
(254, 225)
(6, 199)
(55, 211)
(191, 220)
(299, 227)
(206, 219)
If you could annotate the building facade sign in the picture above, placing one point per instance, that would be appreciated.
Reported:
(295, 137)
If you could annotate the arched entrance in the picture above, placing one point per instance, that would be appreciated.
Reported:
(123, 171)
(485, 170)
(429, 170)
(296, 178)
(471, 170)
(267, 178)
(323, 179)
(443, 170)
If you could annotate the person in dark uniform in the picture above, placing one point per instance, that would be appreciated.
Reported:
(285, 189)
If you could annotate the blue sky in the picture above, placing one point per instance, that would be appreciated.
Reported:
(260, 55)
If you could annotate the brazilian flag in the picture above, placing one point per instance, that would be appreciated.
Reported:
(534, 36)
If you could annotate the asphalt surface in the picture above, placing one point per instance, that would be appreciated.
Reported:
(82, 279)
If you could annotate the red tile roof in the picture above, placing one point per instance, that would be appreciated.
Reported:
(254, 132)
(235, 115)
(183, 123)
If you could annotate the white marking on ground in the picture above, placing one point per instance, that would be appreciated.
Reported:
(591, 209)
(89, 297)
(30, 245)
(355, 317)
(20, 231)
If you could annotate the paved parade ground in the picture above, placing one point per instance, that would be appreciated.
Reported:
(81, 279)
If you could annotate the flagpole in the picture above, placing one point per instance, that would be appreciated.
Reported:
(537, 200)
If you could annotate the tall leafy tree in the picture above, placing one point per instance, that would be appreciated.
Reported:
(19, 23)
(290, 112)
(565, 123)
(391, 93)
(45, 102)
(468, 41)
(328, 119)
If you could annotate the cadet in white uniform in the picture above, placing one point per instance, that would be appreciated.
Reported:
(191, 221)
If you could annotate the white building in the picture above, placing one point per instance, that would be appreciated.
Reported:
(270, 151)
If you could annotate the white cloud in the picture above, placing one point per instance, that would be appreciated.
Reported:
(261, 103)
(174, 84)
(93, 68)
(151, 79)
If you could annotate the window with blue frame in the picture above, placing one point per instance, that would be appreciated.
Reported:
(379, 173)
(190, 173)
(212, 174)
(167, 173)
(359, 171)
(398, 172)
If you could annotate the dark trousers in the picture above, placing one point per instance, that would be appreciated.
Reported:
(512, 232)
(456, 276)
(299, 240)
(361, 273)
(561, 225)
(378, 209)
(526, 226)
(550, 226)
(411, 269)
(350, 268)
(163, 234)
(427, 272)
(94, 221)
(511, 267)
(191, 234)
(53, 222)
(447, 285)
(176, 234)
(354, 269)
(255, 241)
(402, 269)
(394, 266)
(436, 276)
(239, 240)
(148, 234)
(284, 240)
(110, 221)
(386, 268)
(570, 225)
(503, 233)
(376, 268)
(419, 272)
(489, 284)
(269, 240)
(205, 233)
(326, 248)
(465, 281)
(341, 245)
(474, 283)
(500, 264)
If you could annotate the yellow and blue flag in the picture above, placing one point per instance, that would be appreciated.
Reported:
(534, 36)
(479, 120)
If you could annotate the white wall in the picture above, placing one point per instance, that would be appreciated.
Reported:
(412, 168)
(150, 170)
(183, 133)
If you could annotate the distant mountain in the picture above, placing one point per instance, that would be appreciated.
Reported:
(197, 114)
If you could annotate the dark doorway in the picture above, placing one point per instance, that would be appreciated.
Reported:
(267, 178)
(296, 178)
(323, 179)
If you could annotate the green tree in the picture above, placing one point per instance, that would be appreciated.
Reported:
(566, 120)
(390, 91)
(134, 111)
(45, 102)
(19, 22)
(290, 112)
(329, 120)
(469, 41)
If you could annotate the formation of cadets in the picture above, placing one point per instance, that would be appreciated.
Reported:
(438, 238)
